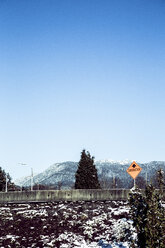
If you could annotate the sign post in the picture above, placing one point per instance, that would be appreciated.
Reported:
(134, 170)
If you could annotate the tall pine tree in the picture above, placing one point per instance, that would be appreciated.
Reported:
(86, 175)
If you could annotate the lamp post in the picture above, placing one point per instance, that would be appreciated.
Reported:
(31, 177)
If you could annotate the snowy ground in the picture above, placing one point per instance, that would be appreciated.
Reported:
(66, 225)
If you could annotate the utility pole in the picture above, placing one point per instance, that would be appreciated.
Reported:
(31, 179)
(6, 184)
(147, 176)
(114, 181)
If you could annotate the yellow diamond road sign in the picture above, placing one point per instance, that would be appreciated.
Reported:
(134, 170)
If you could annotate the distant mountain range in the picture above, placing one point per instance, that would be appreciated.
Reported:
(64, 173)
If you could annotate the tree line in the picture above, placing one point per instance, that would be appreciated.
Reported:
(86, 177)
(6, 181)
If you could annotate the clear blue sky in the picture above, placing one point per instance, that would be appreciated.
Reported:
(81, 74)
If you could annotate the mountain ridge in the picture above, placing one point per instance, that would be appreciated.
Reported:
(64, 172)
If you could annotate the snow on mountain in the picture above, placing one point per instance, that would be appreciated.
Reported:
(64, 173)
(56, 173)
(126, 161)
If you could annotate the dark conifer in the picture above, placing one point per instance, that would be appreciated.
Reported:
(86, 175)
(3, 177)
(148, 215)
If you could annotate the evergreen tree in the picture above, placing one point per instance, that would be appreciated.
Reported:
(138, 212)
(148, 216)
(3, 177)
(155, 228)
(86, 175)
(160, 180)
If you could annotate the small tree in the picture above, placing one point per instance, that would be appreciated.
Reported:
(155, 228)
(148, 216)
(3, 177)
(138, 212)
(86, 175)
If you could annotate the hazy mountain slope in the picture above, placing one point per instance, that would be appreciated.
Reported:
(65, 172)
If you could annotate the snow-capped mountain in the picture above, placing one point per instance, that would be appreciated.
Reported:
(126, 161)
(57, 173)
(64, 173)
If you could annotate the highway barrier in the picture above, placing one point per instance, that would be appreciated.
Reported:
(65, 195)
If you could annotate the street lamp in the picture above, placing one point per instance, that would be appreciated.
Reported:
(31, 177)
